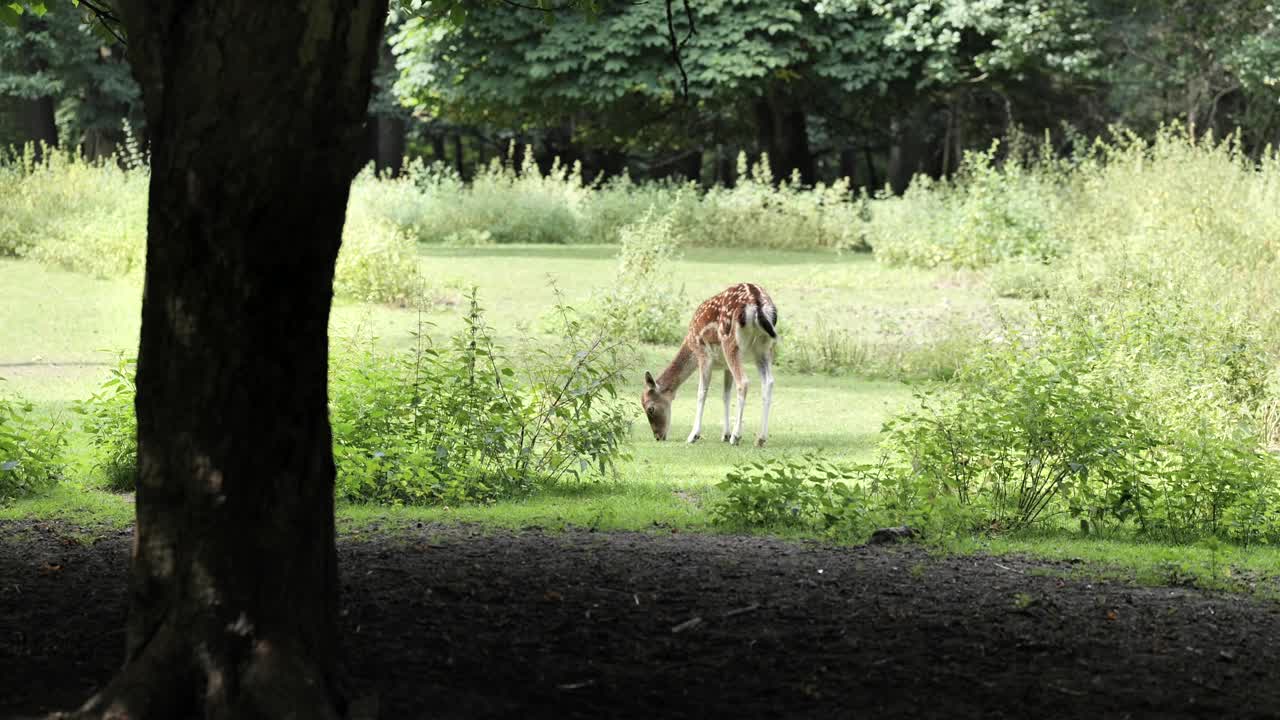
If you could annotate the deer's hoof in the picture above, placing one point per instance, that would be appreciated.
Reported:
(735, 439)
(759, 442)
(694, 437)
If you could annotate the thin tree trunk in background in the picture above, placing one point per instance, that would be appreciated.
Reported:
(905, 153)
(391, 134)
(39, 123)
(437, 148)
(459, 161)
(691, 166)
(256, 112)
(794, 140)
(726, 163)
(873, 182)
(391, 131)
(782, 129)
(848, 165)
(765, 134)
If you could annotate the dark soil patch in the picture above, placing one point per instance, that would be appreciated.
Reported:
(455, 622)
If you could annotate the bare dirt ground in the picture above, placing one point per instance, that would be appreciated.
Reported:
(458, 622)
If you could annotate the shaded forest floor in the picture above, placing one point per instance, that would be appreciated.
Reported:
(462, 622)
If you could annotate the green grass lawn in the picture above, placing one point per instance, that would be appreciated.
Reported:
(59, 332)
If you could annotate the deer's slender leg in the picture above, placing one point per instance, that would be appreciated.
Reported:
(733, 357)
(765, 363)
(704, 380)
(728, 386)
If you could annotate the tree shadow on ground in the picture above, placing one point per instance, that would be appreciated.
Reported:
(456, 621)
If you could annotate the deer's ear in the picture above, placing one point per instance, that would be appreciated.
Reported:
(649, 381)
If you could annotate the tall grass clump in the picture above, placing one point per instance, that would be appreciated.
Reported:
(759, 212)
(819, 348)
(989, 213)
(91, 217)
(512, 201)
(509, 201)
(1142, 392)
(66, 211)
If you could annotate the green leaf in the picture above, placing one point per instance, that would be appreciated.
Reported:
(11, 14)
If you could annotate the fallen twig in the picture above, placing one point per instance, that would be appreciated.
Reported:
(692, 622)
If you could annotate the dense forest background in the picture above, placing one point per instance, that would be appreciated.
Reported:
(873, 90)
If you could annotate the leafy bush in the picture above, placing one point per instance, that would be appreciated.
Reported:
(1142, 392)
(844, 500)
(112, 426)
(779, 492)
(639, 305)
(1110, 414)
(459, 424)
(1021, 431)
(30, 449)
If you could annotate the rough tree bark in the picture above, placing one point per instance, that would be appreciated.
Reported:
(256, 112)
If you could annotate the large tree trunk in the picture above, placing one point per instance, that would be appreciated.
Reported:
(255, 110)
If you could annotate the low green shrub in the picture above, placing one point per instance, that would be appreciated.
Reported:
(459, 424)
(843, 500)
(779, 492)
(31, 449)
(112, 426)
(1109, 413)
(1021, 432)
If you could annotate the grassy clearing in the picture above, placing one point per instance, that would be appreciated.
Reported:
(1151, 307)
(61, 331)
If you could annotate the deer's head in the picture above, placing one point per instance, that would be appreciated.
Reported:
(657, 407)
